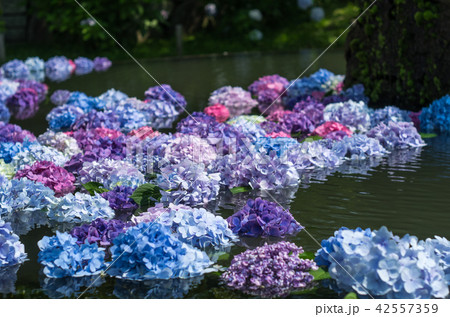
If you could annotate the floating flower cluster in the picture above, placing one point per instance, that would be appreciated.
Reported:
(62, 256)
(12, 251)
(194, 226)
(401, 135)
(436, 117)
(100, 231)
(260, 217)
(382, 265)
(237, 100)
(354, 115)
(270, 270)
(156, 254)
(119, 200)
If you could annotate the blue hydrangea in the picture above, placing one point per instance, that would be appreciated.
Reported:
(80, 208)
(278, 145)
(15, 69)
(23, 195)
(355, 93)
(58, 68)
(112, 98)
(308, 155)
(383, 265)
(352, 114)
(83, 66)
(441, 247)
(359, 147)
(436, 117)
(388, 114)
(62, 118)
(12, 251)
(397, 135)
(10, 149)
(8, 279)
(194, 226)
(82, 101)
(130, 118)
(166, 93)
(37, 152)
(249, 128)
(155, 109)
(36, 68)
(188, 183)
(5, 115)
(61, 256)
(69, 287)
(150, 251)
(7, 89)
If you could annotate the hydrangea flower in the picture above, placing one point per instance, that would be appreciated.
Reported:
(237, 100)
(52, 176)
(60, 141)
(61, 256)
(7, 170)
(112, 98)
(23, 104)
(58, 68)
(260, 217)
(40, 88)
(156, 254)
(273, 127)
(102, 64)
(271, 82)
(307, 85)
(388, 114)
(99, 119)
(383, 265)
(36, 152)
(165, 93)
(8, 150)
(130, 118)
(329, 127)
(189, 147)
(436, 117)
(88, 139)
(14, 133)
(249, 128)
(69, 287)
(270, 270)
(156, 109)
(110, 173)
(188, 183)
(354, 115)
(308, 155)
(120, 201)
(279, 144)
(80, 208)
(12, 251)
(15, 69)
(143, 132)
(5, 115)
(441, 247)
(23, 195)
(62, 118)
(99, 231)
(356, 93)
(359, 147)
(395, 135)
(196, 227)
(218, 111)
(36, 68)
(8, 279)
(83, 66)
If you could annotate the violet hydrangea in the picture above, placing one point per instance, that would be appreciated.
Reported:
(237, 100)
(396, 135)
(12, 251)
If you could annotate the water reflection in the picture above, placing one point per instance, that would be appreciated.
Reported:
(23, 222)
(173, 288)
(8, 278)
(69, 287)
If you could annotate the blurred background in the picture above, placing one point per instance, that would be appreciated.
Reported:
(150, 28)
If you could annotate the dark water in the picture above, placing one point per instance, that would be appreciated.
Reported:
(407, 191)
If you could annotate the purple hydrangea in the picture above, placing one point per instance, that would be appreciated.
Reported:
(397, 135)
(60, 97)
(120, 201)
(97, 119)
(5, 115)
(102, 64)
(40, 88)
(270, 270)
(23, 104)
(189, 147)
(166, 93)
(359, 147)
(15, 69)
(237, 100)
(58, 68)
(100, 231)
(273, 127)
(14, 133)
(83, 66)
(388, 114)
(354, 115)
(260, 217)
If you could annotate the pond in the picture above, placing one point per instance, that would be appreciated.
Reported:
(407, 190)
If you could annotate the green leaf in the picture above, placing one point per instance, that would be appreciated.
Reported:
(428, 135)
(319, 274)
(236, 190)
(351, 295)
(94, 187)
(224, 257)
(307, 256)
(312, 138)
(146, 195)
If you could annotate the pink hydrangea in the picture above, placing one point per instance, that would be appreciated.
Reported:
(51, 175)
(144, 132)
(218, 111)
(330, 126)
(279, 135)
(278, 115)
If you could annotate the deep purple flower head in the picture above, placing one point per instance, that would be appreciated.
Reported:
(52, 176)
(23, 104)
(273, 127)
(297, 122)
(97, 119)
(40, 88)
(333, 99)
(14, 133)
(102, 64)
(275, 83)
(269, 271)
(104, 146)
(100, 231)
(119, 200)
(260, 217)
(166, 93)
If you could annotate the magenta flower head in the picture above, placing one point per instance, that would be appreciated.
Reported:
(218, 111)
(23, 104)
(51, 175)
(143, 132)
(329, 127)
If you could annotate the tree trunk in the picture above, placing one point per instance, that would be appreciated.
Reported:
(400, 51)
